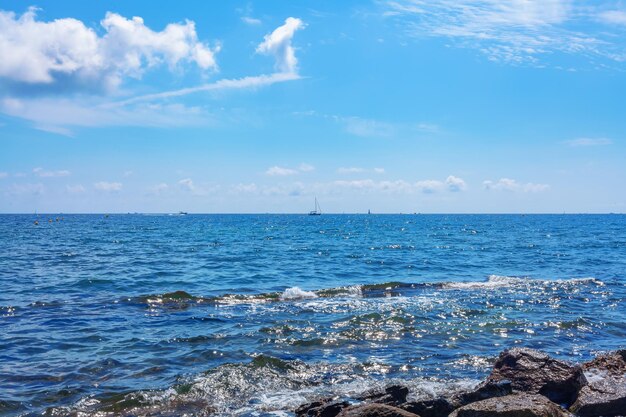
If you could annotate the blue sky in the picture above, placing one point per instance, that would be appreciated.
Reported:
(393, 106)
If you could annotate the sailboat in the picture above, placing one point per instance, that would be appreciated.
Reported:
(317, 211)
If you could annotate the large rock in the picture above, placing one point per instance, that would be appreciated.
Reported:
(515, 405)
(441, 407)
(375, 410)
(535, 372)
(393, 395)
(325, 408)
(605, 394)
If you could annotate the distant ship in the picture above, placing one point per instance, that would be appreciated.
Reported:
(317, 211)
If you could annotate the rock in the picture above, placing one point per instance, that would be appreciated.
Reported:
(441, 407)
(393, 395)
(515, 405)
(488, 389)
(535, 372)
(326, 408)
(375, 410)
(605, 394)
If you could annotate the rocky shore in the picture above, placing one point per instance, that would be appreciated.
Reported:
(523, 383)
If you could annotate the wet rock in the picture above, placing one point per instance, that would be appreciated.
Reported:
(535, 372)
(375, 410)
(393, 395)
(325, 408)
(605, 394)
(441, 407)
(515, 405)
(438, 407)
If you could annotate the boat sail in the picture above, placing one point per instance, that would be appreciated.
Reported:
(317, 211)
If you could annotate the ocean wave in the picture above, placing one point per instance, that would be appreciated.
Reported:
(266, 384)
(179, 300)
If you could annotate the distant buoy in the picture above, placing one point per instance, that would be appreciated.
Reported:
(36, 222)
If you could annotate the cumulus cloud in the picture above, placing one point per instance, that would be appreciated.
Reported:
(66, 54)
(187, 184)
(429, 186)
(278, 44)
(40, 172)
(589, 142)
(508, 184)
(108, 186)
(455, 184)
(159, 188)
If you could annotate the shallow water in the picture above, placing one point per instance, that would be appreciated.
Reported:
(254, 314)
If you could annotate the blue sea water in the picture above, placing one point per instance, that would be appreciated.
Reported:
(256, 314)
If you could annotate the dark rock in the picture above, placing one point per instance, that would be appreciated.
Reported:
(605, 394)
(515, 405)
(535, 372)
(488, 389)
(375, 410)
(441, 407)
(327, 408)
(393, 395)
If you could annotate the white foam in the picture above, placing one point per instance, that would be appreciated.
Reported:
(295, 293)
(501, 281)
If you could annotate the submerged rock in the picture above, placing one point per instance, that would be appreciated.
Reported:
(535, 372)
(375, 410)
(393, 395)
(605, 394)
(324, 408)
(515, 405)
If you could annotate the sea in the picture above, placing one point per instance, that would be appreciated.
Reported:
(253, 315)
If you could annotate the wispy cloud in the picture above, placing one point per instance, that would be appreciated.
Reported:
(359, 170)
(589, 142)
(75, 189)
(280, 171)
(451, 184)
(108, 186)
(514, 31)
(250, 20)
(40, 172)
(4, 175)
(508, 184)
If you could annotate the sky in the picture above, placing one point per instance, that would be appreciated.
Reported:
(430, 106)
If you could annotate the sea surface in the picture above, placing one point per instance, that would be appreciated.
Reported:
(255, 314)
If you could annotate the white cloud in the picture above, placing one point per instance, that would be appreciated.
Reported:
(75, 189)
(65, 54)
(358, 170)
(26, 189)
(159, 188)
(4, 174)
(278, 44)
(350, 170)
(246, 188)
(280, 171)
(304, 167)
(617, 17)
(515, 31)
(40, 172)
(429, 186)
(128, 174)
(187, 184)
(368, 127)
(250, 20)
(108, 186)
(455, 184)
(508, 184)
(589, 142)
